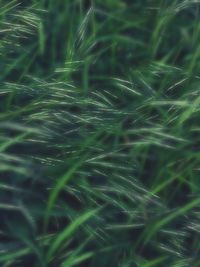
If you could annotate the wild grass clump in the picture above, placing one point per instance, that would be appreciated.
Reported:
(99, 133)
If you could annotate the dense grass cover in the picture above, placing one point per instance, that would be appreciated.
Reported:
(99, 133)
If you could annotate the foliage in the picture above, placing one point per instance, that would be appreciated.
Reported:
(99, 133)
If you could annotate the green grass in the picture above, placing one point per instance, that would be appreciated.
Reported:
(99, 133)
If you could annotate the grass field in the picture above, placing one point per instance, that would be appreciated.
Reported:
(100, 133)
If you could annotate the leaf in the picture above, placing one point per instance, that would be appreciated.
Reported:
(68, 232)
(157, 226)
(155, 262)
(66, 178)
(78, 259)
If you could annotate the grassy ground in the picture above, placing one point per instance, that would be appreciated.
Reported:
(99, 133)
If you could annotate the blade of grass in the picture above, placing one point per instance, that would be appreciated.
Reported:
(68, 232)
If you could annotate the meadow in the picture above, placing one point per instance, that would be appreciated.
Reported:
(100, 133)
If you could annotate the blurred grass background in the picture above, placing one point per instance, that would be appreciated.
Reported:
(99, 133)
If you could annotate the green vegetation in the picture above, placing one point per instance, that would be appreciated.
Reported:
(99, 133)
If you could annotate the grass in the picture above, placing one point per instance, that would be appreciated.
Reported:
(99, 133)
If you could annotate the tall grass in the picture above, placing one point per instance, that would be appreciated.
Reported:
(99, 133)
